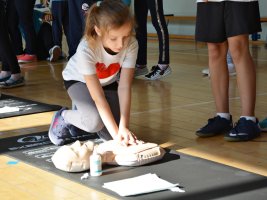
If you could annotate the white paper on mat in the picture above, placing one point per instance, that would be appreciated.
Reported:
(7, 109)
(139, 185)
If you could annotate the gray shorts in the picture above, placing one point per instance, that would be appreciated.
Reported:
(217, 21)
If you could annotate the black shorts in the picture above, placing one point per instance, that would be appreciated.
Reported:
(217, 21)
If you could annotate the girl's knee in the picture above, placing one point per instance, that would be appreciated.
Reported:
(217, 51)
(92, 124)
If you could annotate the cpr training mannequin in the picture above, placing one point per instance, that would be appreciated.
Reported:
(75, 157)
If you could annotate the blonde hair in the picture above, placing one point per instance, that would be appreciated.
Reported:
(106, 15)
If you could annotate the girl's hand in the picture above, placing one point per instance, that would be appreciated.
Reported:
(126, 137)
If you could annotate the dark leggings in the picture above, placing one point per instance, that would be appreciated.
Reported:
(60, 19)
(45, 41)
(24, 10)
(157, 15)
(7, 55)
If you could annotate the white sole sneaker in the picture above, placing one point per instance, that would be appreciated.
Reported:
(55, 53)
(157, 74)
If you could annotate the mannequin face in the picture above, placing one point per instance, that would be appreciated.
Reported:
(115, 39)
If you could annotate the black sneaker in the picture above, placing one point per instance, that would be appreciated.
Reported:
(157, 73)
(215, 126)
(244, 130)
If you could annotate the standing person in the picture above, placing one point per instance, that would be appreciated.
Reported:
(24, 11)
(155, 7)
(106, 51)
(59, 10)
(46, 48)
(223, 25)
(77, 12)
(10, 76)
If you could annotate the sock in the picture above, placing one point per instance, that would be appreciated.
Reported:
(163, 66)
(252, 118)
(224, 115)
(4, 74)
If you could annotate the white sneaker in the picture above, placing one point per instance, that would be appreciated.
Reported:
(54, 53)
(231, 69)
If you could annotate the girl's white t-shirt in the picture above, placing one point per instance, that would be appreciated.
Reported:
(95, 60)
(226, 0)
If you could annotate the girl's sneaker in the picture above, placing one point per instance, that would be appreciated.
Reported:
(59, 130)
(11, 83)
(263, 125)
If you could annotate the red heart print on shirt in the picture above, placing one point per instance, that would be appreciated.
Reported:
(104, 72)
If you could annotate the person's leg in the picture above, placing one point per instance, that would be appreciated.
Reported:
(87, 111)
(86, 117)
(210, 29)
(8, 57)
(25, 13)
(246, 74)
(65, 21)
(13, 28)
(78, 9)
(247, 126)
(219, 75)
(158, 21)
(46, 48)
(247, 21)
(57, 22)
(141, 10)
(45, 41)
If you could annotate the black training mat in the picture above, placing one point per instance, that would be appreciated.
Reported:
(25, 106)
(34, 140)
(200, 178)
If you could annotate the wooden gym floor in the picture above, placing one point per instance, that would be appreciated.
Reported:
(167, 112)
